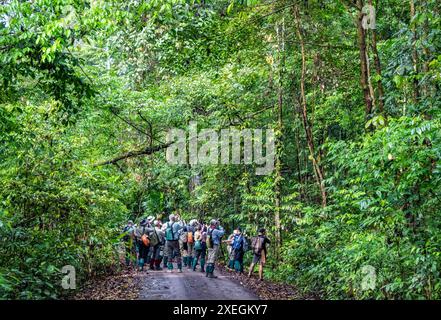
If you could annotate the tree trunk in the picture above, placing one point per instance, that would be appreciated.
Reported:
(278, 173)
(299, 164)
(364, 63)
(309, 135)
(377, 63)
(416, 90)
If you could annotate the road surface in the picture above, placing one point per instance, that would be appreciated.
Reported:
(191, 285)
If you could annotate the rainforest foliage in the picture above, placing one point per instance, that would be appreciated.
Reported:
(89, 89)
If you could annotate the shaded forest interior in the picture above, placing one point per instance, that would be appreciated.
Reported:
(89, 89)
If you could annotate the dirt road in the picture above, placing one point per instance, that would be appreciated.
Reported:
(161, 285)
(130, 284)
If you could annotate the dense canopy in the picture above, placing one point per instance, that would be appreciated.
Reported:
(89, 90)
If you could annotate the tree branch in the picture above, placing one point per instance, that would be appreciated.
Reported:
(131, 154)
(128, 122)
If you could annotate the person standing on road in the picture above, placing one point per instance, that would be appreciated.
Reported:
(183, 247)
(172, 230)
(128, 240)
(143, 242)
(238, 250)
(258, 245)
(230, 250)
(156, 240)
(200, 247)
(214, 236)
(163, 247)
(150, 225)
(191, 228)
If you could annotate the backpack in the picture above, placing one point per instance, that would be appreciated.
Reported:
(257, 244)
(238, 242)
(154, 238)
(145, 238)
(190, 238)
(169, 235)
(198, 245)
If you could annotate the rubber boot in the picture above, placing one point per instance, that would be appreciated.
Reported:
(208, 270)
(211, 271)
(141, 264)
(170, 266)
(230, 264)
(158, 264)
(190, 262)
(195, 263)
(127, 262)
(238, 266)
(185, 261)
(202, 264)
(165, 262)
(180, 267)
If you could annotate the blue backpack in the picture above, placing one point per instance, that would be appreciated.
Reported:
(238, 242)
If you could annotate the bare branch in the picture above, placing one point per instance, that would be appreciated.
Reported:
(131, 154)
(128, 122)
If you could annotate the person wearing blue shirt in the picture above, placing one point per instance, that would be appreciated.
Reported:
(214, 238)
(238, 244)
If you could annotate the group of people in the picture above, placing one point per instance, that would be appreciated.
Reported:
(189, 245)
(237, 247)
